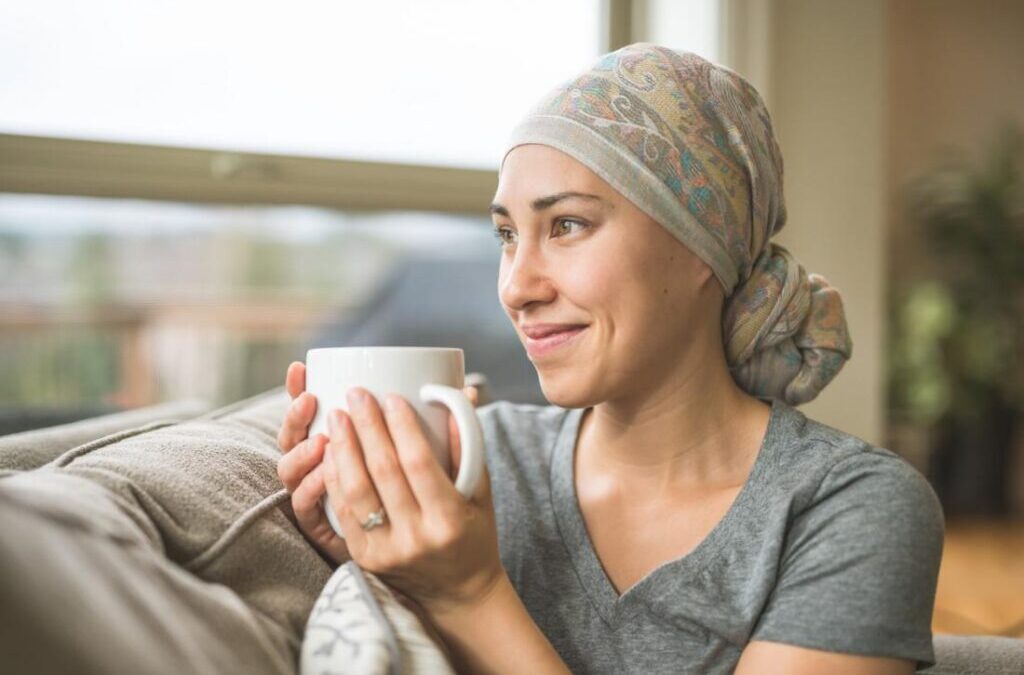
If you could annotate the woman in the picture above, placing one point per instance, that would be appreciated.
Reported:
(672, 510)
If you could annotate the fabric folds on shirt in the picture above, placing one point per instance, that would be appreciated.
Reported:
(831, 544)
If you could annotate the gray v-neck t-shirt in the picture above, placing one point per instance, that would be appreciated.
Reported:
(831, 544)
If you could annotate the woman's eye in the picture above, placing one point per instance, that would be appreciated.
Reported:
(504, 235)
(564, 226)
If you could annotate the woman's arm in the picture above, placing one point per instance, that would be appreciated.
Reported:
(770, 658)
(497, 635)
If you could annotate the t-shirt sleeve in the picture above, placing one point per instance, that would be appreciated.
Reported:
(860, 564)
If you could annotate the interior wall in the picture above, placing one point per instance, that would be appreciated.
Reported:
(827, 81)
(956, 74)
(692, 25)
(820, 66)
(866, 95)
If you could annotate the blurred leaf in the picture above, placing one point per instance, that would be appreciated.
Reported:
(929, 312)
(956, 343)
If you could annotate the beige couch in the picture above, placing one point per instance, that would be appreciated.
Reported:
(186, 558)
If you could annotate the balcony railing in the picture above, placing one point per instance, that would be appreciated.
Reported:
(63, 364)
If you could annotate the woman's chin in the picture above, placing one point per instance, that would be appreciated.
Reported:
(566, 394)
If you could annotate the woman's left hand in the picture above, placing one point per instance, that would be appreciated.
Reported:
(435, 546)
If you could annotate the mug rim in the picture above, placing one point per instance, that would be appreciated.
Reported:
(385, 348)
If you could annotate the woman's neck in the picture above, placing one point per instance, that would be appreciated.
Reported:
(698, 432)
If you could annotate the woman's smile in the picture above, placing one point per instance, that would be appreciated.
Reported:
(545, 339)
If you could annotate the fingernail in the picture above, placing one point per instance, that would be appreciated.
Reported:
(332, 422)
(391, 402)
(356, 397)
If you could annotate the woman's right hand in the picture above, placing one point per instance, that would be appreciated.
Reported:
(299, 467)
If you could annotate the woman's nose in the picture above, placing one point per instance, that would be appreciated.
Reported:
(523, 279)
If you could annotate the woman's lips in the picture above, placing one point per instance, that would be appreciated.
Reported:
(551, 341)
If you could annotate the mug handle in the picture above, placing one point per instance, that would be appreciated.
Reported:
(471, 441)
(471, 436)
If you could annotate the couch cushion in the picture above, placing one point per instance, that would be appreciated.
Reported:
(201, 497)
(30, 449)
(85, 592)
(977, 655)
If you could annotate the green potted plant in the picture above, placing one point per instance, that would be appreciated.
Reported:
(957, 357)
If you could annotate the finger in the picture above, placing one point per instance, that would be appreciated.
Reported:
(295, 378)
(431, 487)
(356, 541)
(297, 419)
(293, 466)
(309, 512)
(355, 537)
(473, 394)
(307, 495)
(354, 489)
(375, 438)
(307, 503)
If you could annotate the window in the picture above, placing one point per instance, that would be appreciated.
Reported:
(257, 178)
(115, 303)
(430, 83)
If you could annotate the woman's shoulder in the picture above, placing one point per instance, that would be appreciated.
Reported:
(827, 469)
(524, 427)
(520, 439)
(510, 411)
(863, 531)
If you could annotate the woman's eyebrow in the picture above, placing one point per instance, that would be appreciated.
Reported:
(542, 203)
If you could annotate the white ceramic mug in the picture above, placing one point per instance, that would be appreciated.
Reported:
(430, 378)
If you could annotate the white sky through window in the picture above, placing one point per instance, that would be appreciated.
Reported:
(439, 82)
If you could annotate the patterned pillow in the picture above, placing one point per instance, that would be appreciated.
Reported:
(358, 625)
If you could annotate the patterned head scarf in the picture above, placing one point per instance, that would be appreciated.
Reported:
(691, 144)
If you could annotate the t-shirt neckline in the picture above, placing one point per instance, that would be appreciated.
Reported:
(569, 518)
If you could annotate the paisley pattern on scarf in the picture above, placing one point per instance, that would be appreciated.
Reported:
(787, 334)
(691, 144)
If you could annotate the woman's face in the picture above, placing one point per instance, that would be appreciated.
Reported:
(604, 299)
